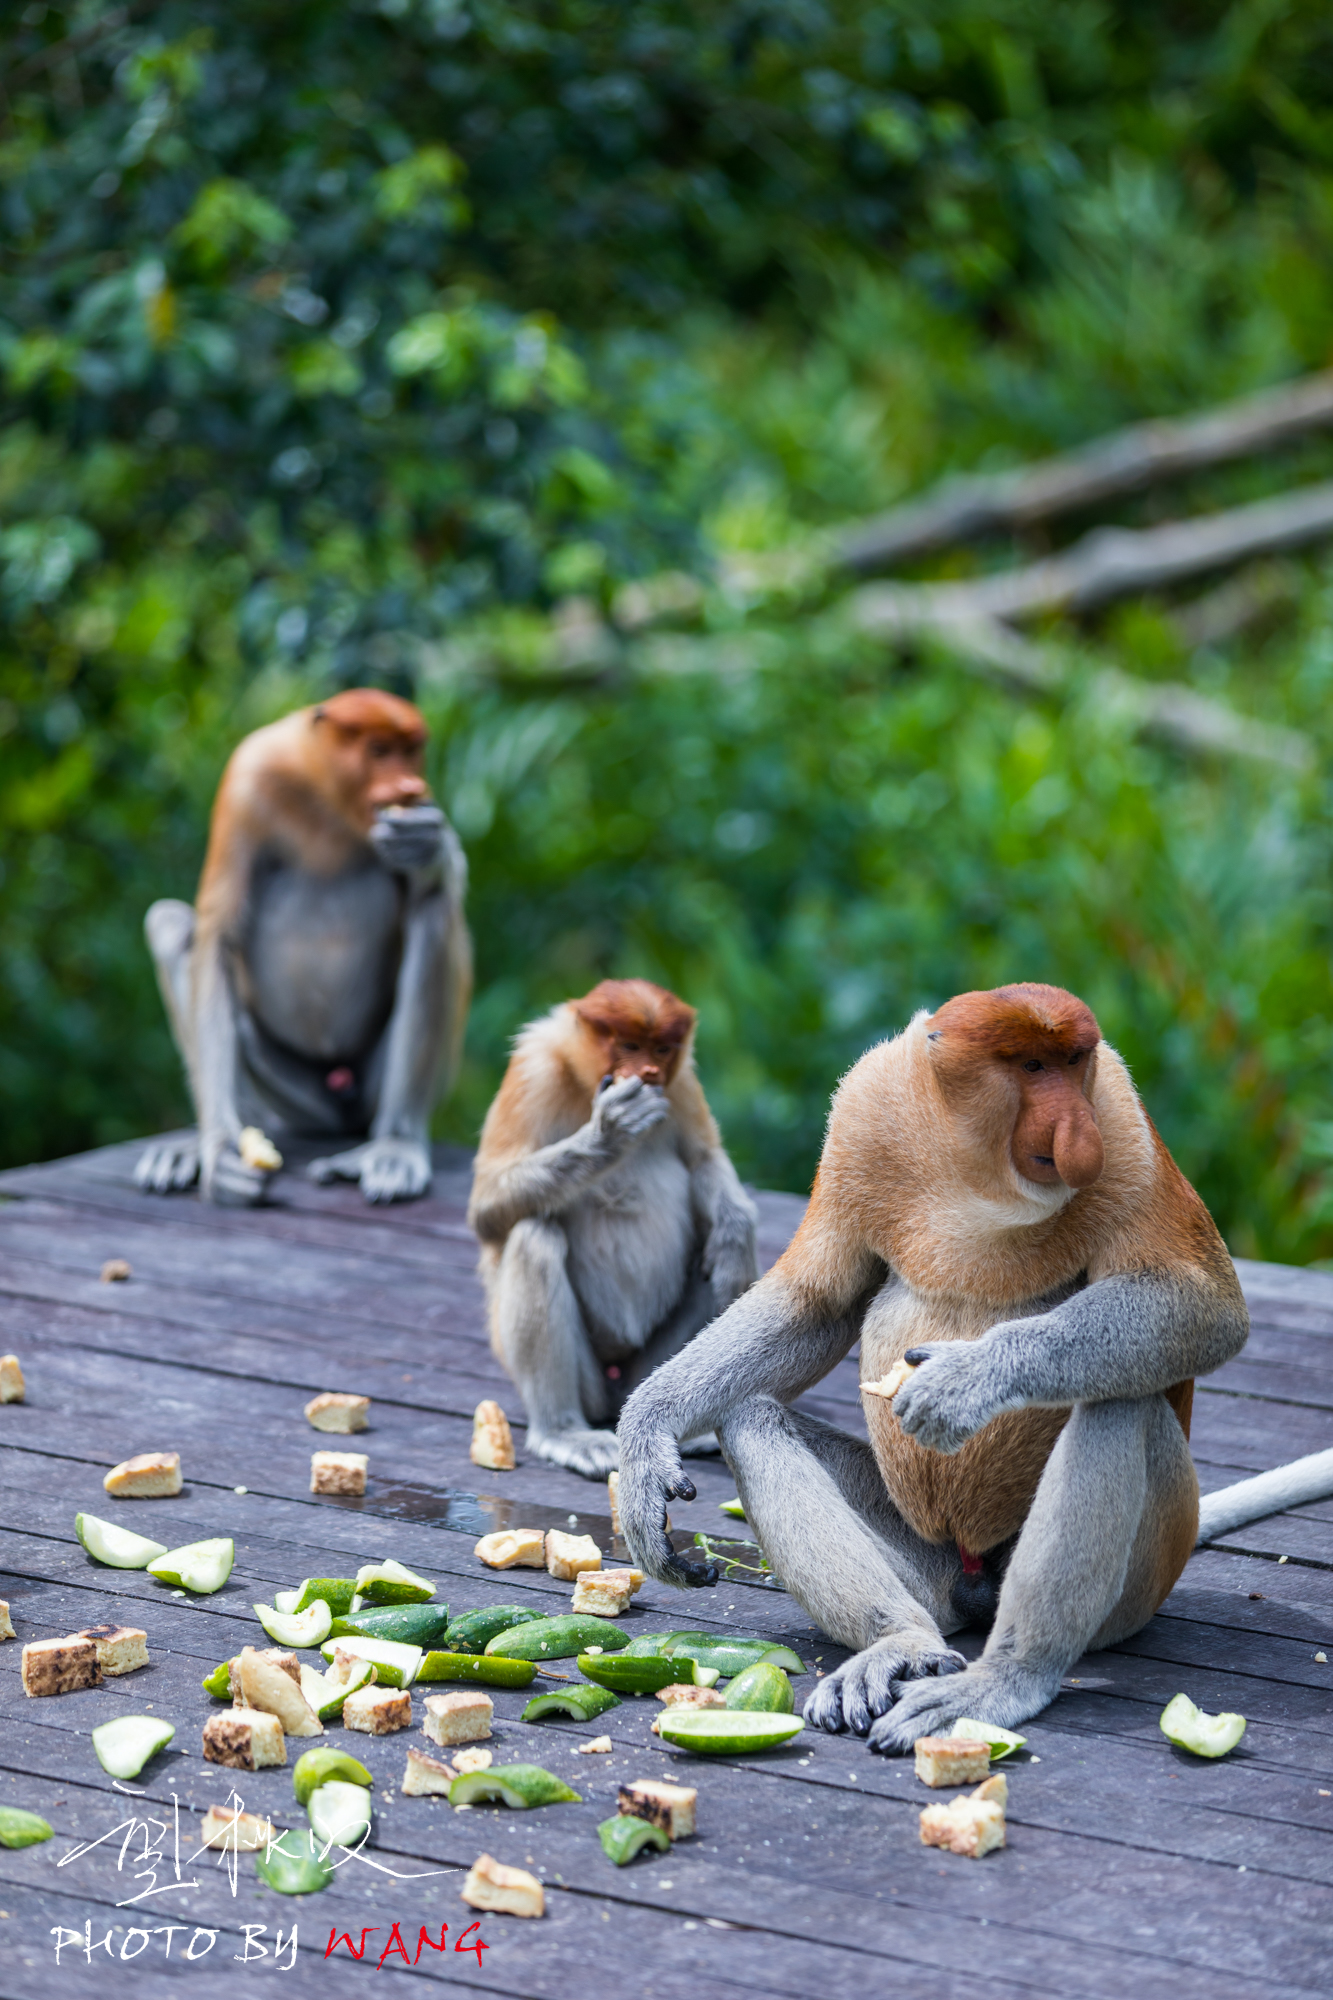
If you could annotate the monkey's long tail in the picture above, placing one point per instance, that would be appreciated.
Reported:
(1294, 1485)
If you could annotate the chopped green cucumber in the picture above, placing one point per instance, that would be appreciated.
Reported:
(391, 1583)
(414, 1624)
(727, 1659)
(472, 1631)
(1206, 1735)
(298, 1628)
(327, 1696)
(623, 1837)
(336, 1591)
(495, 1672)
(583, 1703)
(199, 1566)
(558, 1638)
(21, 1829)
(1000, 1742)
(644, 1674)
(762, 1687)
(339, 1812)
(286, 1601)
(726, 1732)
(218, 1683)
(117, 1546)
(692, 1639)
(291, 1864)
(648, 1643)
(314, 1768)
(395, 1663)
(783, 1656)
(517, 1785)
(732, 1507)
(124, 1746)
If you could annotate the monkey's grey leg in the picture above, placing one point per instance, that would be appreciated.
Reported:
(815, 1498)
(544, 1344)
(696, 1310)
(168, 1165)
(1116, 1507)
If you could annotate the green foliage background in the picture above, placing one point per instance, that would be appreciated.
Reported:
(380, 342)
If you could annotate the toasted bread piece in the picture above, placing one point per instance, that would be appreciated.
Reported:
(606, 1593)
(286, 1662)
(245, 1739)
(464, 1717)
(669, 1806)
(492, 1439)
(120, 1648)
(239, 1832)
(6, 1623)
(115, 1271)
(681, 1695)
(266, 1682)
(377, 1711)
(11, 1379)
(951, 1760)
(597, 1748)
(567, 1556)
(426, 1777)
(338, 1472)
(970, 1826)
(475, 1759)
(890, 1384)
(492, 1886)
(507, 1547)
(258, 1150)
(344, 1665)
(337, 1413)
(60, 1666)
(154, 1475)
(995, 1791)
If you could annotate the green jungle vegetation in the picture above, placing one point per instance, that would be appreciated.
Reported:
(399, 342)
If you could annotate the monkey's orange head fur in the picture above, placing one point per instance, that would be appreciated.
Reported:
(371, 745)
(641, 1029)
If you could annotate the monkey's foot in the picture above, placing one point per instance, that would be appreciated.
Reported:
(1001, 1691)
(862, 1687)
(388, 1169)
(593, 1453)
(168, 1166)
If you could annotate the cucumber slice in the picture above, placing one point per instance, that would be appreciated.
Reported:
(390, 1583)
(724, 1732)
(326, 1697)
(623, 1837)
(732, 1507)
(762, 1688)
(200, 1566)
(583, 1703)
(395, 1664)
(21, 1829)
(291, 1864)
(692, 1639)
(1206, 1735)
(286, 1601)
(517, 1785)
(339, 1812)
(314, 1768)
(1000, 1742)
(337, 1592)
(414, 1624)
(728, 1660)
(558, 1638)
(783, 1656)
(476, 1667)
(472, 1631)
(117, 1546)
(218, 1683)
(124, 1746)
(644, 1674)
(298, 1628)
(649, 1643)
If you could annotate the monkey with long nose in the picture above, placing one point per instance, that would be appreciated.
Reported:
(994, 1206)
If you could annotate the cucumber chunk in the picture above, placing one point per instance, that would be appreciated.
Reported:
(732, 1507)
(1206, 1735)
(124, 1746)
(1000, 1742)
(763, 1688)
(286, 1601)
(649, 1643)
(414, 1624)
(314, 1768)
(291, 1864)
(198, 1566)
(339, 1812)
(21, 1829)
(326, 1696)
(297, 1628)
(519, 1785)
(218, 1683)
(107, 1543)
(623, 1837)
(390, 1583)
(724, 1732)
(336, 1591)
(395, 1663)
(583, 1703)
(558, 1638)
(644, 1674)
(783, 1656)
(472, 1631)
(493, 1672)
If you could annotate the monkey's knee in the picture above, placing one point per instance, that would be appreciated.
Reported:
(534, 1255)
(168, 927)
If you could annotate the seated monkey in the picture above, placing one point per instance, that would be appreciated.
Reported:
(319, 986)
(993, 1206)
(611, 1221)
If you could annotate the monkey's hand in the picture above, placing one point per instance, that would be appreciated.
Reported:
(622, 1112)
(388, 1169)
(226, 1180)
(410, 840)
(862, 1687)
(650, 1477)
(952, 1395)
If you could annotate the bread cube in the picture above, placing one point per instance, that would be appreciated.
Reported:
(994, 1792)
(463, 1717)
(60, 1666)
(606, 1593)
(239, 1832)
(244, 1739)
(472, 1760)
(266, 1683)
(378, 1711)
(669, 1806)
(492, 1439)
(6, 1623)
(258, 1150)
(115, 1271)
(524, 1547)
(154, 1475)
(426, 1777)
(337, 1413)
(492, 1886)
(338, 1472)
(951, 1760)
(567, 1556)
(11, 1379)
(120, 1648)
(970, 1826)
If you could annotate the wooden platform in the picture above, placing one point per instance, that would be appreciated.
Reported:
(1131, 1869)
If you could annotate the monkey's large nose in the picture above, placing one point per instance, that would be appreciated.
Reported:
(1077, 1147)
(404, 791)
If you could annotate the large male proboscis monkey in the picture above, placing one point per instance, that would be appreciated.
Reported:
(611, 1221)
(994, 1205)
(319, 986)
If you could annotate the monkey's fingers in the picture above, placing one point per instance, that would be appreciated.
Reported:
(682, 1487)
(694, 1575)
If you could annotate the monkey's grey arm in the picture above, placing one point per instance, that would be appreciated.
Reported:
(1123, 1337)
(552, 1179)
(224, 1178)
(728, 1219)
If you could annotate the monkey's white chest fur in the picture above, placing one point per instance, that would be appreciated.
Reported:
(631, 1240)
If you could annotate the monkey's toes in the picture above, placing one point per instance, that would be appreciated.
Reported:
(591, 1453)
(168, 1168)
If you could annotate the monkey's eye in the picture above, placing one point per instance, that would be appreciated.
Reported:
(1034, 1065)
(630, 1048)
(1077, 1057)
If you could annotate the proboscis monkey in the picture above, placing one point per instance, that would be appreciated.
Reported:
(320, 983)
(994, 1205)
(611, 1221)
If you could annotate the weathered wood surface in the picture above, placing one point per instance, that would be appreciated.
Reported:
(1131, 1870)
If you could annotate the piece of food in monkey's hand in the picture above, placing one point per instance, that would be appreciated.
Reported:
(606, 1593)
(115, 1271)
(510, 1547)
(891, 1383)
(972, 1825)
(567, 1556)
(258, 1150)
(338, 1472)
(1206, 1735)
(11, 1379)
(337, 1413)
(1000, 1742)
(510, 1891)
(492, 1439)
(153, 1475)
(951, 1760)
